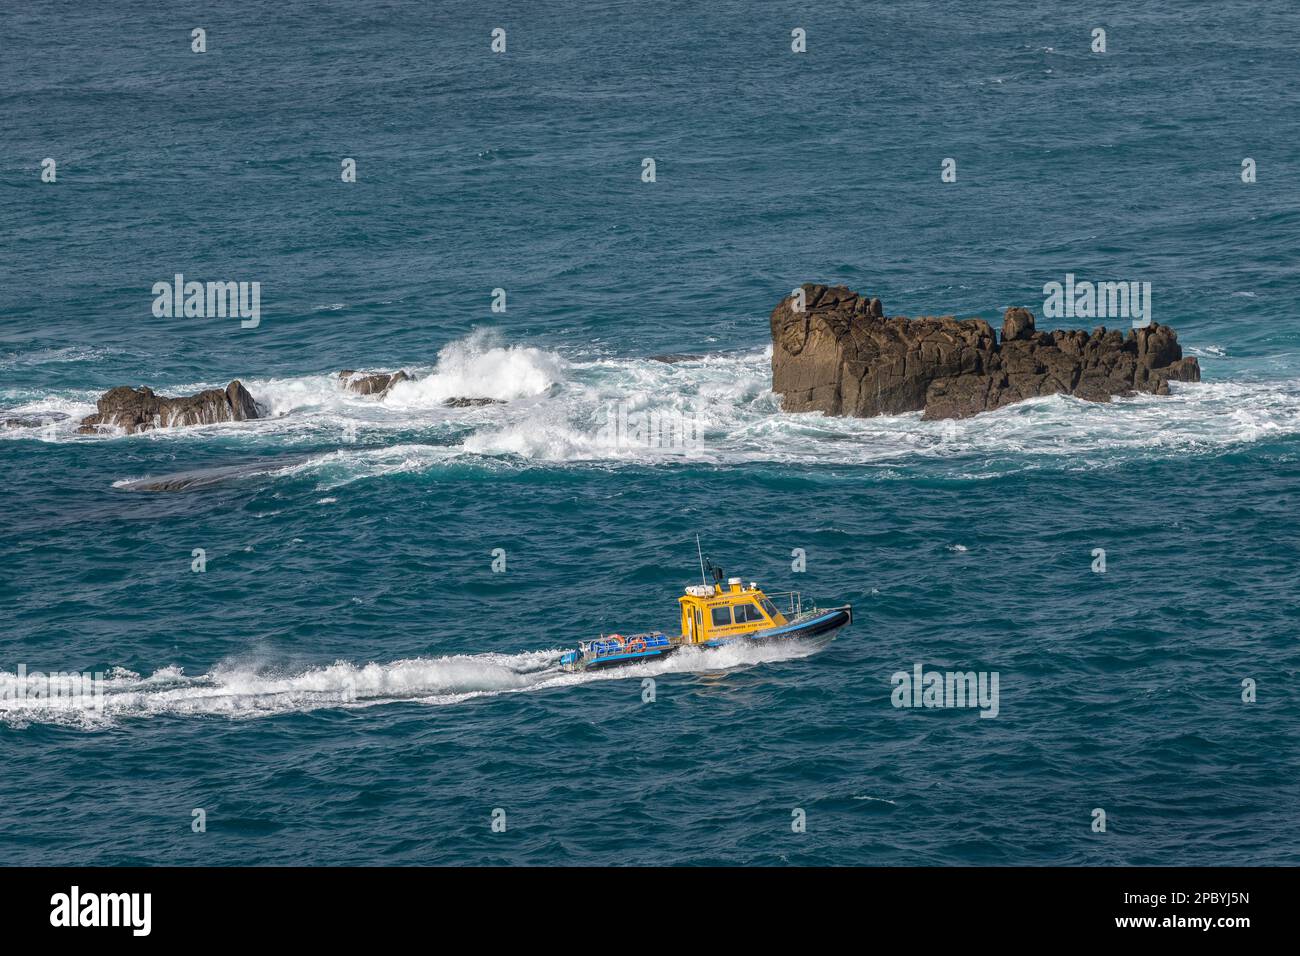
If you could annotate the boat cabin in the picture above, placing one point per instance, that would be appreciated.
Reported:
(711, 612)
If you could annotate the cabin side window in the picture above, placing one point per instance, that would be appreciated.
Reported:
(749, 614)
(722, 616)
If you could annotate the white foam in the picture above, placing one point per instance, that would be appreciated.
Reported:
(239, 690)
(480, 366)
(338, 468)
(71, 406)
(739, 420)
(558, 411)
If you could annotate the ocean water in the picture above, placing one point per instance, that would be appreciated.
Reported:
(350, 682)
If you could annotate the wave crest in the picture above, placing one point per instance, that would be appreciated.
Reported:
(480, 366)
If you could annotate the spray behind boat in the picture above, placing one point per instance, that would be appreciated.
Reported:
(715, 615)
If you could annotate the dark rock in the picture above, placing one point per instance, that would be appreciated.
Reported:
(1017, 324)
(35, 420)
(673, 358)
(205, 477)
(139, 409)
(376, 383)
(471, 402)
(842, 356)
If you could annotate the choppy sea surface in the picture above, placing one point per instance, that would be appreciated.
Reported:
(349, 681)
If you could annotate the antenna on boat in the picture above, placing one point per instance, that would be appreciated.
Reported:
(700, 551)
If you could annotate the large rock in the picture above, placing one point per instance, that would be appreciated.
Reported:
(139, 409)
(842, 356)
(372, 383)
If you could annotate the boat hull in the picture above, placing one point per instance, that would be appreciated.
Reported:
(617, 650)
(622, 660)
(640, 650)
(813, 624)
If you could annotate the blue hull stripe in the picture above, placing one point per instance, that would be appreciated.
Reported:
(777, 631)
(623, 657)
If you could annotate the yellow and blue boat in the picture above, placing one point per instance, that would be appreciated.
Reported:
(714, 615)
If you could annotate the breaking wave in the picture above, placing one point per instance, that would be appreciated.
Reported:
(481, 367)
(714, 409)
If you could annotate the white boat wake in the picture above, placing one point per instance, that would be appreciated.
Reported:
(241, 691)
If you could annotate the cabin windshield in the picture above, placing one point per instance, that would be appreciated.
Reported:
(769, 607)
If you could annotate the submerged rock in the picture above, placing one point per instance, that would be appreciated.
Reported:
(371, 383)
(672, 358)
(34, 420)
(139, 409)
(842, 356)
(204, 477)
(472, 402)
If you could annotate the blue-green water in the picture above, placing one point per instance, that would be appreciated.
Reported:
(349, 681)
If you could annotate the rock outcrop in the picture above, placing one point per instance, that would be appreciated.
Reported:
(472, 402)
(139, 409)
(371, 383)
(842, 356)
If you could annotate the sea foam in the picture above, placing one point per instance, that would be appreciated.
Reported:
(240, 690)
